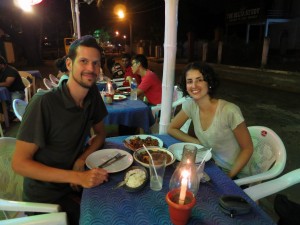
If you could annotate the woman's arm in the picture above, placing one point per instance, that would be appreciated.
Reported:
(176, 124)
(243, 137)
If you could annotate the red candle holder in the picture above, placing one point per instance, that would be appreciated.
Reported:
(180, 213)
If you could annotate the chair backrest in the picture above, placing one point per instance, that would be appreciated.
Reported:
(48, 84)
(27, 89)
(269, 156)
(53, 79)
(11, 183)
(29, 77)
(270, 187)
(19, 107)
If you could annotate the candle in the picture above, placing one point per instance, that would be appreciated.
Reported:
(183, 188)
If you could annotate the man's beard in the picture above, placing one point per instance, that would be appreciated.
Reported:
(82, 84)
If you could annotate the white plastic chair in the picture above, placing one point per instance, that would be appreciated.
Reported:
(48, 84)
(269, 156)
(29, 76)
(270, 187)
(19, 107)
(11, 189)
(53, 79)
(27, 89)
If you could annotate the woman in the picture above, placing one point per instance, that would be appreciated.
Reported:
(217, 123)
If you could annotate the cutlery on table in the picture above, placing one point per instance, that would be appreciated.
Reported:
(112, 160)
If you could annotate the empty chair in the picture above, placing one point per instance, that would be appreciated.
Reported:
(48, 84)
(11, 189)
(27, 89)
(19, 107)
(270, 187)
(29, 77)
(269, 156)
(53, 79)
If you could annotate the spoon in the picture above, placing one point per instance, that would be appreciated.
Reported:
(123, 182)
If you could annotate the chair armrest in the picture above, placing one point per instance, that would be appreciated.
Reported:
(273, 186)
(59, 218)
(7, 205)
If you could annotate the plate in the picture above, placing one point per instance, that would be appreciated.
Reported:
(101, 82)
(143, 137)
(119, 97)
(137, 157)
(100, 156)
(177, 150)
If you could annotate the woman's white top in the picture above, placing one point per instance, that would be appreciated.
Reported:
(219, 135)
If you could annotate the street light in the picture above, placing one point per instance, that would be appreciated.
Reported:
(120, 10)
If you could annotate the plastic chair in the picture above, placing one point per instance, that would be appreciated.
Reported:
(29, 77)
(270, 187)
(48, 84)
(19, 107)
(53, 79)
(11, 193)
(27, 89)
(269, 156)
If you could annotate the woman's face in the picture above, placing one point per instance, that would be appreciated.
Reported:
(195, 84)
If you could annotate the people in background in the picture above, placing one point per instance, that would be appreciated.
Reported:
(150, 85)
(218, 124)
(11, 79)
(128, 75)
(50, 149)
(63, 72)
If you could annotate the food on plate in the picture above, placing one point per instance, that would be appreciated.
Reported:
(135, 178)
(144, 157)
(137, 142)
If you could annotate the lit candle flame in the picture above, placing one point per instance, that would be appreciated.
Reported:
(183, 188)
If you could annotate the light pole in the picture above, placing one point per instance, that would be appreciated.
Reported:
(120, 11)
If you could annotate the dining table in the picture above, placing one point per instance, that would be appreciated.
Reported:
(5, 96)
(130, 113)
(105, 205)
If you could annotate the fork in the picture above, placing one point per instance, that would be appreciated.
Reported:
(107, 161)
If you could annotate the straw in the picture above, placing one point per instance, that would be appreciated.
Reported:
(152, 162)
(208, 151)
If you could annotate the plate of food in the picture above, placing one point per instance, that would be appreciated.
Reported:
(97, 158)
(136, 141)
(177, 150)
(142, 157)
(119, 97)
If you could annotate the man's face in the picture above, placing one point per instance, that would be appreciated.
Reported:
(85, 67)
(125, 62)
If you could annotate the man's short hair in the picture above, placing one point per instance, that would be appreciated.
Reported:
(87, 41)
(2, 60)
(141, 59)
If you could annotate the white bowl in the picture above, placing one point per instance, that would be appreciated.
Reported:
(136, 155)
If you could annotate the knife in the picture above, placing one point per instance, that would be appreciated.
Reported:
(117, 155)
(111, 161)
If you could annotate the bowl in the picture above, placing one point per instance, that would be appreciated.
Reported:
(136, 182)
(141, 156)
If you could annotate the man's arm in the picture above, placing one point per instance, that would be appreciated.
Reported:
(24, 164)
(8, 82)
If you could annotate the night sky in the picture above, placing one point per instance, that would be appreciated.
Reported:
(198, 16)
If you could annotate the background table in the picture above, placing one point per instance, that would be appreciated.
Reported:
(102, 85)
(5, 96)
(103, 205)
(131, 113)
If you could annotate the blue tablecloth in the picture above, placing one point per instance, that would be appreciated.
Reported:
(102, 86)
(102, 205)
(131, 113)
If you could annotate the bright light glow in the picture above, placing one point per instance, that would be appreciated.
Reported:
(120, 10)
(124, 36)
(185, 174)
(26, 5)
(121, 14)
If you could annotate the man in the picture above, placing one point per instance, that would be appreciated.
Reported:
(50, 151)
(126, 63)
(11, 79)
(151, 84)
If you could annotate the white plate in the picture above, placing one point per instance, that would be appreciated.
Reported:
(118, 79)
(123, 88)
(142, 136)
(101, 82)
(177, 150)
(97, 158)
(119, 97)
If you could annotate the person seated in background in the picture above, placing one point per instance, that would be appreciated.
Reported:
(51, 142)
(117, 71)
(150, 85)
(218, 124)
(11, 79)
(63, 72)
(128, 75)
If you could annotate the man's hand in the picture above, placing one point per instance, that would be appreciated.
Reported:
(93, 177)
